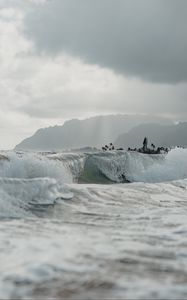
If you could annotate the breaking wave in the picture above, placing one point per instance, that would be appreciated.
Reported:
(98, 167)
(135, 167)
(19, 196)
(29, 179)
(32, 165)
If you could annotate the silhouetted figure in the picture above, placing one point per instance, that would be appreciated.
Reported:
(153, 150)
(111, 147)
(153, 146)
(145, 143)
(158, 150)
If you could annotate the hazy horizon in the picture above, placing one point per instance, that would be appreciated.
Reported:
(31, 132)
(91, 132)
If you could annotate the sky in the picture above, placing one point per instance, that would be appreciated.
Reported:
(64, 59)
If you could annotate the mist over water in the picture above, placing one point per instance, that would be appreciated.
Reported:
(72, 227)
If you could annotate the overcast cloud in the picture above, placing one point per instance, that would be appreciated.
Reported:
(144, 38)
(61, 59)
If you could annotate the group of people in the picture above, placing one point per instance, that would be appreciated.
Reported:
(147, 150)
(110, 147)
(144, 149)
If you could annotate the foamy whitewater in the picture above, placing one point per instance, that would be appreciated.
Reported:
(95, 225)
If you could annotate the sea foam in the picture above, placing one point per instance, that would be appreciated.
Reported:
(33, 165)
(17, 196)
(98, 167)
(146, 168)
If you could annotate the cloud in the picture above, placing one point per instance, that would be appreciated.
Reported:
(47, 86)
(144, 39)
(44, 84)
(64, 86)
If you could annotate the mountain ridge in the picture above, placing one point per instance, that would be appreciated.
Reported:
(93, 132)
(158, 134)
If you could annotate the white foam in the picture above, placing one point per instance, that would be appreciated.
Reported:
(31, 165)
(117, 234)
(138, 167)
(147, 168)
(18, 195)
(30, 178)
(73, 162)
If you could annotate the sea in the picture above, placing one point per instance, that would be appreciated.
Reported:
(93, 225)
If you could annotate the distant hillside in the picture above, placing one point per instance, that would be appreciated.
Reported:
(160, 135)
(93, 132)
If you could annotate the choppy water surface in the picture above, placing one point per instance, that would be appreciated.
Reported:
(71, 227)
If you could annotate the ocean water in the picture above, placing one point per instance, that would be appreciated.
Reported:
(95, 225)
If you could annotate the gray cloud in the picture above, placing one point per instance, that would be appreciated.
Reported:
(52, 56)
(145, 39)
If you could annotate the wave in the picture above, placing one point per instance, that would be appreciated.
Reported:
(74, 163)
(98, 167)
(19, 196)
(33, 165)
(31, 179)
(28, 179)
(125, 166)
(158, 168)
